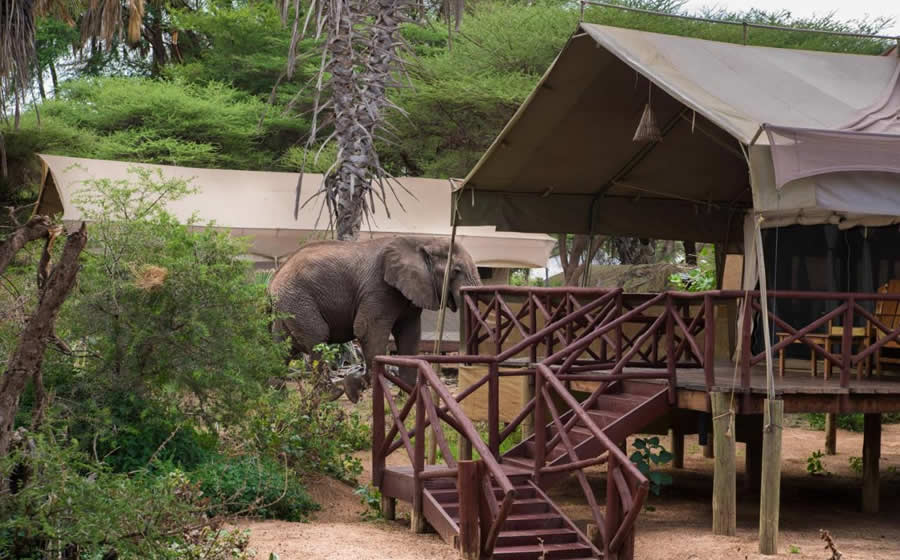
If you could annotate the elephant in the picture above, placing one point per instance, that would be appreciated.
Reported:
(337, 291)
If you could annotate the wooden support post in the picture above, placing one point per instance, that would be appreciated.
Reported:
(388, 507)
(724, 476)
(417, 516)
(830, 433)
(770, 493)
(527, 395)
(378, 459)
(676, 443)
(469, 485)
(464, 448)
(494, 407)
(753, 461)
(871, 456)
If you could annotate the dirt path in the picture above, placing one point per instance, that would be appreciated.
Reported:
(676, 529)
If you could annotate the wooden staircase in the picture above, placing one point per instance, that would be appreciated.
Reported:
(623, 410)
(535, 525)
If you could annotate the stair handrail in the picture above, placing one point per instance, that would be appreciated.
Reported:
(428, 378)
(616, 456)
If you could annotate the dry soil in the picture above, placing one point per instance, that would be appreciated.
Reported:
(676, 526)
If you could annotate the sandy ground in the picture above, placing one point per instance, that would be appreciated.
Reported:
(678, 527)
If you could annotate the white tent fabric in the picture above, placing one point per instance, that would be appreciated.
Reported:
(566, 160)
(740, 88)
(260, 205)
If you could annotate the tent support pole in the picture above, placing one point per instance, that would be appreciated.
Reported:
(770, 487)
(442, 312)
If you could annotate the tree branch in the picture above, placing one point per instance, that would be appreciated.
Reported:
(27, 358)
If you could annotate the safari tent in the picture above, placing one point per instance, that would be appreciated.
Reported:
(260, 205)
(799, 138)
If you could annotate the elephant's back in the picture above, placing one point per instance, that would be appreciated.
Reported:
(330, 266)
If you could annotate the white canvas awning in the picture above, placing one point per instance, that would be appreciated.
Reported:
(260, 205)
(566, 160)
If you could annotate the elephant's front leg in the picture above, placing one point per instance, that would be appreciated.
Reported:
(374, 342)
(408, 333)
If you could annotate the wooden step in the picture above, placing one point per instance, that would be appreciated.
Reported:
(520, 462)
(644, 388)
(547, 536)
(451, 495)
(546, 551)
(620, 403)
(557, 451)
(531, 505)
(532, 521)
(602, 418)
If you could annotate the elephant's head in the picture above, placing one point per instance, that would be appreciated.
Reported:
(416, 266)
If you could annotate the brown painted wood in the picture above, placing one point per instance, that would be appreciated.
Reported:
(676, 446)
(467, 482)
(871, 456)
(830, 433)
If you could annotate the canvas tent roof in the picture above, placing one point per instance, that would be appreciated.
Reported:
(260, 204)
(566, 161)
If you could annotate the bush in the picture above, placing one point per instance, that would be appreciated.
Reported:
(252, 486)
(312, 434)
(60, 499)
(850, 422)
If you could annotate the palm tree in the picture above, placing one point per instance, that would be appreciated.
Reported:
(360, 61)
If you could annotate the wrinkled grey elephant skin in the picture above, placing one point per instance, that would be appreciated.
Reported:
(335, 291)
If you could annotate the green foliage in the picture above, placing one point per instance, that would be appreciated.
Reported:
(850, 422)
(650, 454)
(814, 464)
(735, 33)
(70, 500)
(701, 277)
(253, 486)
(143, 120)
(171, 335)
(313, 435)
(370, 497)
(461, 98)
(856, 465)
(521, 277)
(242, 43)
(794, 549)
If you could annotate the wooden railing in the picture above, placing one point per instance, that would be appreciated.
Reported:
(672, 330)
(430, 412)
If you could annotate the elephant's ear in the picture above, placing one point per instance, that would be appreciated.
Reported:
(407, 267)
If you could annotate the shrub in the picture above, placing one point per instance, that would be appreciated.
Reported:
(252, 486)
(650, 453)
(314, 435)
(171, 332)
(62, 503)
(851, 422)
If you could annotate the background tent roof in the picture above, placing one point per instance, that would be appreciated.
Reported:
(566, 160)
(260, 204)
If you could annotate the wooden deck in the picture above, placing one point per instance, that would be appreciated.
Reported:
(801, 391)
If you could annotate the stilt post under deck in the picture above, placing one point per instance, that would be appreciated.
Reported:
(770, 485)
(724, 476)
(753, 461)
(527, 395)
(871, 456)
(830, 433)
(676, 442)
